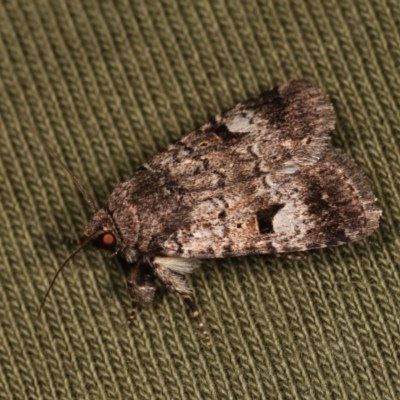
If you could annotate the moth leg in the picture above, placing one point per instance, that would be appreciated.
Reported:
(132, 315)
(141, 287)
(196, 315)
(177, 283)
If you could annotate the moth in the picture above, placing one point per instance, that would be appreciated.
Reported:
(259, 178)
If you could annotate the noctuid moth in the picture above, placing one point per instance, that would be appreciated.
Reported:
(259, 178)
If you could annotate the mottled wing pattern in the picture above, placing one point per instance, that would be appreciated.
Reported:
(279, 129)
(259, 178)
(325, 204)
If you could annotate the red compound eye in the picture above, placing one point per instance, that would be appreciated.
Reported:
(108, 239)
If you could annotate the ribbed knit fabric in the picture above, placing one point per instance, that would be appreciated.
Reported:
(108, 84)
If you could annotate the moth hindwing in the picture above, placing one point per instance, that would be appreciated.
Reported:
(259, 178)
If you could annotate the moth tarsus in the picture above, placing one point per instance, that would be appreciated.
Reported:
(259, 178)
(132, 316)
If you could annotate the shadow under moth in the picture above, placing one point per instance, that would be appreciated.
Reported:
(259, 178)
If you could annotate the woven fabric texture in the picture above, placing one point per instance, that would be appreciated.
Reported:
(107, 84)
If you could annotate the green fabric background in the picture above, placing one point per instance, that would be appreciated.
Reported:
(110, 83)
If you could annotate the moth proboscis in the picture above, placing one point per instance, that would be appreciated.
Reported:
(259, 178)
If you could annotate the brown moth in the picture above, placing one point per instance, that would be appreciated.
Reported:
(259, 178)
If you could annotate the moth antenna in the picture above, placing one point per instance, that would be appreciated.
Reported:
(75, 179)
(81, 246)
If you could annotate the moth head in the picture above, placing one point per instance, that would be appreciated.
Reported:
(102, 232)
(115, 228)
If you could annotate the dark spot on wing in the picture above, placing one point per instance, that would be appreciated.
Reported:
(224, 133)
(265, 218)
(222, 214)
